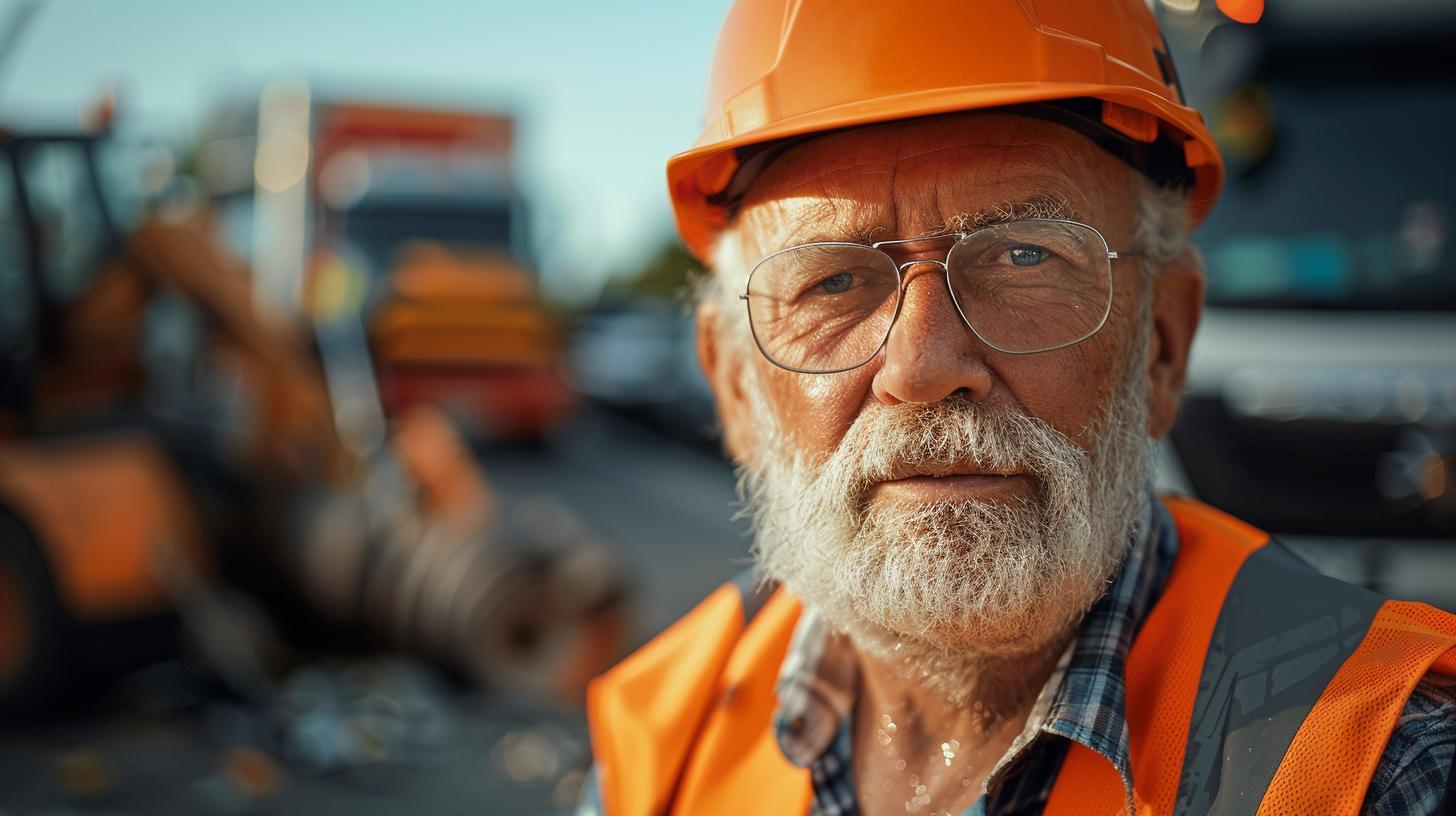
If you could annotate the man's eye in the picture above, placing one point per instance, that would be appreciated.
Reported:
(1027, 255)
(836, 283)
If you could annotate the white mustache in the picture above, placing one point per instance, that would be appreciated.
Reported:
(954, 435)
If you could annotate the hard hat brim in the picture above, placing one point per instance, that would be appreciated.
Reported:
(695, 175)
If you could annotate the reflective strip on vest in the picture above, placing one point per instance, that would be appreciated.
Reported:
(1282, 634)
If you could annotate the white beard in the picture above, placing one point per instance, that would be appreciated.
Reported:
(938, 585)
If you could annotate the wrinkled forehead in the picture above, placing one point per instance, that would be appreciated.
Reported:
(934, 175)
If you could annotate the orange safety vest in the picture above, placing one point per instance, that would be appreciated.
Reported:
(1255, 686)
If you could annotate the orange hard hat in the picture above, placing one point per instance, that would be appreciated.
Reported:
(793, 68)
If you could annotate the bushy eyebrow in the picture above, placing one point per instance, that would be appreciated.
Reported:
(1040, 206)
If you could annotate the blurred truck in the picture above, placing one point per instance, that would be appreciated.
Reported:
(1322, 388)
(412, 214)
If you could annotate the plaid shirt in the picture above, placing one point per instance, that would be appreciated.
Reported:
(1083, 700)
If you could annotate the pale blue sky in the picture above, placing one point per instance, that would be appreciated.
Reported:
(605, 91)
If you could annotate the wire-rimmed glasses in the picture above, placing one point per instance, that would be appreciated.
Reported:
(1023, 286)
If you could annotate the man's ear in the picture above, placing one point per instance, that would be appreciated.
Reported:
(724, 371)
(1177, 306)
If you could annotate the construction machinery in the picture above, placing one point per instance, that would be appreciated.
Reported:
(179, 453)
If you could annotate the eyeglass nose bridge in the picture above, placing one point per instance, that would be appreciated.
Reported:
(904, 280)
(901, 267)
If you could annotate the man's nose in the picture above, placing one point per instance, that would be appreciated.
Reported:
(931, 352)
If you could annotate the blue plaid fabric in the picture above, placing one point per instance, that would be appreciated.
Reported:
(1084, 701)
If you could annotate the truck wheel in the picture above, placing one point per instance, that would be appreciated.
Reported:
(32, 624)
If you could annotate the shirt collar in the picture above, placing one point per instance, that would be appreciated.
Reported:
(1084, 700)
(1090, 705)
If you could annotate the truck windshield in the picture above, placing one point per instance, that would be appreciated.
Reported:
(1343, 202)
(380, 230)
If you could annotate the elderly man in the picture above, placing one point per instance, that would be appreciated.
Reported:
(951, 305)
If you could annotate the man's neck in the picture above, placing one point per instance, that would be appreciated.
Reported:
(929, 742)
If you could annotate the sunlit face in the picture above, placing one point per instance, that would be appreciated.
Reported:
(911, 179)
(945, 492)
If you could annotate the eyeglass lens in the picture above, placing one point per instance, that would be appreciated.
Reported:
(1023, 287)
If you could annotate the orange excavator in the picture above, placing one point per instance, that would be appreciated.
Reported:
(176, 455)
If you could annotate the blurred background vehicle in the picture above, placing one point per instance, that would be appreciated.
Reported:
(1322, 392)
(635, 351)
(412, 214)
